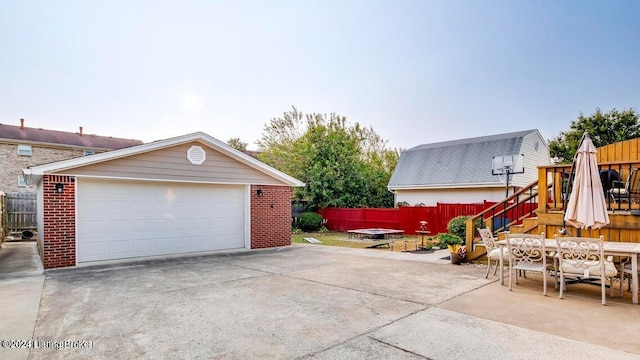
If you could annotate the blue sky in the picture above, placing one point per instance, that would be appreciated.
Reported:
(416, 71)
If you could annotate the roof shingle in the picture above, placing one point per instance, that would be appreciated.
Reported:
(10, 132)
(457, 162)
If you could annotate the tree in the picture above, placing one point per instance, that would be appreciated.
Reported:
(603, 128)
(280, 141)
(342, 165)
(237, 144)
(332, 165)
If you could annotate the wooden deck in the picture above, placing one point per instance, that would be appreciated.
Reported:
(548, 192)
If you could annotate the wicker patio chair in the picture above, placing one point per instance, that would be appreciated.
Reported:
(493, 250)
(527, 252)
(583, 258)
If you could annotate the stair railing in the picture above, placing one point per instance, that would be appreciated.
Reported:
(500, 216)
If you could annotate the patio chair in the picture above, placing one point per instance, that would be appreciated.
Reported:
(494, 252)
(583, 258)
(527, 252)
(628, 191)
(625, 268)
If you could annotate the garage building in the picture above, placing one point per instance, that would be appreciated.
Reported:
(189, 194)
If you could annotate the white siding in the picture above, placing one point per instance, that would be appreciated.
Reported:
(532, 159)
(451, 196)
(171, 164)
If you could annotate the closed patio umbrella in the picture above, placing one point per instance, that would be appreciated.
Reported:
(587, 206)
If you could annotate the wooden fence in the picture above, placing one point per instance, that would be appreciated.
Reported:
(405, 218)
(19, 212)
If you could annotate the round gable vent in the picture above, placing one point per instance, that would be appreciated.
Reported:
(196, 155)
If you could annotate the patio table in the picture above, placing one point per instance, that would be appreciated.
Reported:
(623, 249)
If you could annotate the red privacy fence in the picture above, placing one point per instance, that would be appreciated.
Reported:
(406, 218)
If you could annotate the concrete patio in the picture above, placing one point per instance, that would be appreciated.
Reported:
(310, 301)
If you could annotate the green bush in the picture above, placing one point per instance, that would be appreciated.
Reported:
(309, 221)
(448, 239)
(457, 226)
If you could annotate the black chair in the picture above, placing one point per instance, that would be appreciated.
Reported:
(608, 177)
(628, 191)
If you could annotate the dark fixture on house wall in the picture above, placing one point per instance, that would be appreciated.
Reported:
(259, 192)
(59, 188)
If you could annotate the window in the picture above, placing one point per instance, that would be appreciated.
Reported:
(88, 152)
(21, 182)
(24, 150)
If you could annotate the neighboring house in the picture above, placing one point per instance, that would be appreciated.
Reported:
(188, 194)
(459, 171)
(22, 146)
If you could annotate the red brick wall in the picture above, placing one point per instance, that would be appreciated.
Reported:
(59, 228)
(270, 216)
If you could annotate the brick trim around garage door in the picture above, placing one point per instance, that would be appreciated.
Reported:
(59, 225)
(270, 216)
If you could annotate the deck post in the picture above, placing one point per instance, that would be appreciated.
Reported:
(543, 192)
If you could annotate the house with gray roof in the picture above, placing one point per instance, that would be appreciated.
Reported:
(22, 147)
(460, 171)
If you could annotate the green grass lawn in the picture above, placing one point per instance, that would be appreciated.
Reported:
(342, 239)
(331, 239)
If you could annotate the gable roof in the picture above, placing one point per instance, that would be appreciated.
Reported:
(36, 172)
(461, 163)
(23, 133)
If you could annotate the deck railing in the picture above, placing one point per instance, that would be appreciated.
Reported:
(613, 175)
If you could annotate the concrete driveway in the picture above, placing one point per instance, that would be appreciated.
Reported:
(299, 302)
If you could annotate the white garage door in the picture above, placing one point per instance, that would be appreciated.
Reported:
(126, 219)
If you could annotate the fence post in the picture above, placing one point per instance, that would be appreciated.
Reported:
(3, 217)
